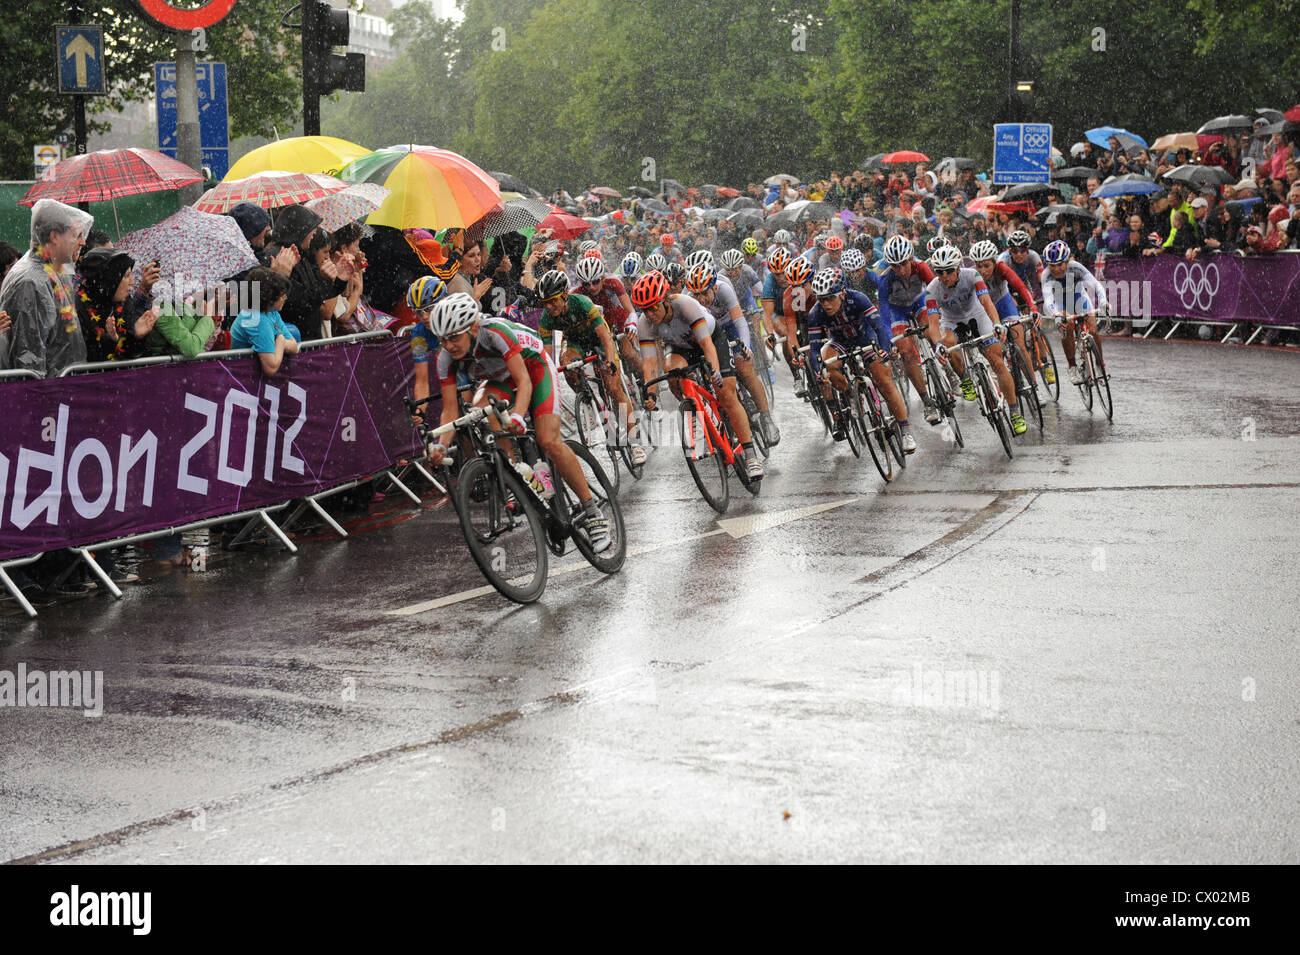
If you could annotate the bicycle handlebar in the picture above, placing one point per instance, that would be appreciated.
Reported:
(679, 373)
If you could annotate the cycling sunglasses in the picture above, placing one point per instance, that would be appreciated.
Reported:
(945, 271)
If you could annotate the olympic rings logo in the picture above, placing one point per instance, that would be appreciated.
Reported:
(1035, 140)
(1196, 284)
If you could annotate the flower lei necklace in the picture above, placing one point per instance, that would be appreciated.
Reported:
(62, 299)
(114, 325)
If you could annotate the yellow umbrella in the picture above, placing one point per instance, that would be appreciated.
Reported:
(298, 154)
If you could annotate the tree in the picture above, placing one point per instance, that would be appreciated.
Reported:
(261, 58)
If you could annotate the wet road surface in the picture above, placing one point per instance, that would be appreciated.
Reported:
(1085, 654)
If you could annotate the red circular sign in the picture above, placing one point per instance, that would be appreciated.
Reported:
(164, 14)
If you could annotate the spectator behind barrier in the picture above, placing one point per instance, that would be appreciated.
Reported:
(113, 322)
(263, 329)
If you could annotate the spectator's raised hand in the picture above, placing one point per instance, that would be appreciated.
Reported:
(285, 260)
(145, 323)
(329, 269)
(149, 275)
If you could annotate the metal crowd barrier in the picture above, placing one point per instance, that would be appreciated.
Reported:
(252, 518)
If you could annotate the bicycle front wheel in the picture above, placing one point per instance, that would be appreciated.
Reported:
(1101, 380)
(503, 529)
(877, 443)
(1045, 358)
(848, 402)
(706, 465)
(937, 384)
(610, 560)
(997, 415)
(1085, 385)
(1026, 388)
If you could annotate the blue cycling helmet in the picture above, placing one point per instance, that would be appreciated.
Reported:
(631, 264)
(1056, 253)
(828, 282)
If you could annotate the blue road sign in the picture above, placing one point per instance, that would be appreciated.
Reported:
(1022, 152)
(79, 51)
(214, 123)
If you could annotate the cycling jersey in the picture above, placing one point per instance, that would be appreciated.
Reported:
(690, 324)
(1079, 291)
(579, 323)
(496, 342)
(901, 298)
(724, 300)
(608, 301)
(961, 303)
(774, 293)
(858, 322)
(744, 283)
(1029, 271)
(1004, 282)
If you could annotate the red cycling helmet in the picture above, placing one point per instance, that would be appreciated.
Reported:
(798, 271)
(834, 244)
(650, 289)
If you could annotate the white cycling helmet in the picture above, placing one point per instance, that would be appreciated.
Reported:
(1018, 239)
(453, 315)
(590, 270)
(733, 259)
(699, 257)
(946, 257)
(655, 262)
(983, 251)
(899, 249)
(782, 236)
(631, 264)
(1056, 253)
(587, 246)
(853, 259)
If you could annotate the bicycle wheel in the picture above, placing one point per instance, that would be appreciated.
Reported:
(1101, 379)
(609, 561)
(738, 461)
(894, 433)
(1045, 358)
(1085, 386)
(638, 418)
(998, 417)
(504, 531)
(707, 467)
(947, 404)
(876, 441)
(848, 400)
(901, 381)
(1026, 387)
(593, 432)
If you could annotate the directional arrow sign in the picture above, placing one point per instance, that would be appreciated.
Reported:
(79, 56)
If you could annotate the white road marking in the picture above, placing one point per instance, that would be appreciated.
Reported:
(739, 527)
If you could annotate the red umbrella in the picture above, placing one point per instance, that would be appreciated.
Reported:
(268, 190)
(905, 155)
(728, 192)
(563, 225)
(108, 174)
(1293, 113)
(606, 192)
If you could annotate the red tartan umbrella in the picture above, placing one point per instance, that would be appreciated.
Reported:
(563, 225)
(269, 190)
(905, 155)
(110, 174)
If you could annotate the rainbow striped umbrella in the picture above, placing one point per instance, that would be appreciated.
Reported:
(430, 188)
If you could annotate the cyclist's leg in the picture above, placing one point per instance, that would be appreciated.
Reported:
(832, 356)
(993, 352)
(571, 353)
(1006, 308)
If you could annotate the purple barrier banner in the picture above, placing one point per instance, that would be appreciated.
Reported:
(1221, 287)
(97, 456)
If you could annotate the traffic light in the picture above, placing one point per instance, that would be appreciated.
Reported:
(323, 70)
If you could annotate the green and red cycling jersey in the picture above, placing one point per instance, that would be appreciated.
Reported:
(497, 341)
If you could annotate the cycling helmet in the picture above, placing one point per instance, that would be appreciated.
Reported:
(650, 289)
(588, 245)
(591, 270)
(702, 278)
(834, 243)
(749, 246)
(946, 257)
(1056, 253)
(698, 257)
(778, 259)
(898, 249)
(798, 271)
(1018, 239)
(853, 259)
(424, 291)
(733, 258)
(453, 315)
(828, 282)
(983, 251)
(675, 273)
(865, 243)
(655, 262)
(631, 264)
(551, 284)
(667, 239)
(819, 240)
(592, 254)
(936, 243)
(782, 236)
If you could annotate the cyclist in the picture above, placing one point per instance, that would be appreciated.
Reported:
(772, 297)
(423, 294)
(844, 319)
(1023, 260)
(675, 275)
(719, 297)
(1069, 286)
(798, 297)
(901, 296)
(585, 332)
(688, 333)
(854, 265)
(783, 238)
(654, 262)
(1003, 282)
(750, 249)
(630, 268)
(833, 255)
(512, 364)
(959, 300)
(668, 248)
(611, 296)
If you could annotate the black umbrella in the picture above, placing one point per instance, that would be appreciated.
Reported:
(1202, 175)
(748, 216)
(656, 207)
(807, 210)
(672, 186)
(1076, 212)
(642, 192)
(1220, 123)
(515, 214)
(1073, 174)
(956, 162)
(744, 202)
(873, 163)
(1028, 190)
(712, 215)
(511, 183)
(708, 190)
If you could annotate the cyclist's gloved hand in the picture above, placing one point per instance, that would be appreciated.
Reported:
(1059, 318)
(1000, 331)
(611, 368)
(518, 421)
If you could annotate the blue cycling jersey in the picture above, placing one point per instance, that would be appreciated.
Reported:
(858, 322)
(900, 298)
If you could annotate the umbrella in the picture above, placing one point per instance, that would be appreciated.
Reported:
(980, 205)
(298, 154)
(1175, 141)
(1202, 175)
(642, 192)
(904, 156)
(781, 177)
(431, 188)
(198, 248)
(514, 183)
(606, 192)
(672, 187)
(514, 215)
(656, 207)
(1271, 128)
(1100, 136)
(957, 163)
(1293, 113)
(563, 225)
(1272, 115)
(804, 210)
(355, 202)
(1076, 212)
(747, 215)
(1028, 190)
(268, 190)
(712, 215)
(744, 202)
(1073, 174)
(1129, 185)
(708, 189)
(872, 163)
(728, 192)
(1220, 123)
